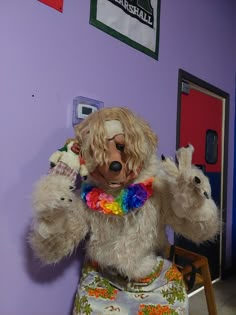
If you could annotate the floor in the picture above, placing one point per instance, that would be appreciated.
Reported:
(225, 296)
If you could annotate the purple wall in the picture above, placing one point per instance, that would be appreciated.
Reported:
(47, 59)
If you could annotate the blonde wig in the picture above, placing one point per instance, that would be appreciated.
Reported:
(140, 141)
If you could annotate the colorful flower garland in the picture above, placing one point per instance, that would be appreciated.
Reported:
(129, 199)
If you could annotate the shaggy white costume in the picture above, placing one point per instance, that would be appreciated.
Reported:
(125, 236)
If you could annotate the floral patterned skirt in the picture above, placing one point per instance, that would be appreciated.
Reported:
(161, 293)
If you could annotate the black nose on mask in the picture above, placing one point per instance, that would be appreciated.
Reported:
(115, 166)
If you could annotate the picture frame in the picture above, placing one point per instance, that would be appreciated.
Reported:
(134, 22)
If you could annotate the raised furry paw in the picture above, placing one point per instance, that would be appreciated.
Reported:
(53, 192)
(52, 199)
(189, 186)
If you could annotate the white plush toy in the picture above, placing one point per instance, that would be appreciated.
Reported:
(68, 156)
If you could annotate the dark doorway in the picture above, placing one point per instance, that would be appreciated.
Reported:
(202, 121)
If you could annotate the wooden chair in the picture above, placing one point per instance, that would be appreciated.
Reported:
(195, 270)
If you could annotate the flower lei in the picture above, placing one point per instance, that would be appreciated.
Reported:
(129, 199)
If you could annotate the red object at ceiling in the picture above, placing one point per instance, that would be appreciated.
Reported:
(55, 4)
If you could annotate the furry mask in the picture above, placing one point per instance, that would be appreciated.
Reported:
(116, 145)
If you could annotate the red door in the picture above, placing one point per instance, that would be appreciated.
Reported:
(200, 124)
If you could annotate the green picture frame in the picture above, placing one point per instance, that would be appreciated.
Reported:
(125, 39)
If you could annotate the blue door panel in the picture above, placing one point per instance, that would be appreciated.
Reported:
(215, 181)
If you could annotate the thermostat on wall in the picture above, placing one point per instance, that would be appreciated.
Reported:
(82, 107)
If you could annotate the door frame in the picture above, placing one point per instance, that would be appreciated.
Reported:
(186, 76)
(233, 246)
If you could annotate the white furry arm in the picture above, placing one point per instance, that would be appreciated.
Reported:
(187, 203)
(59, 220)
